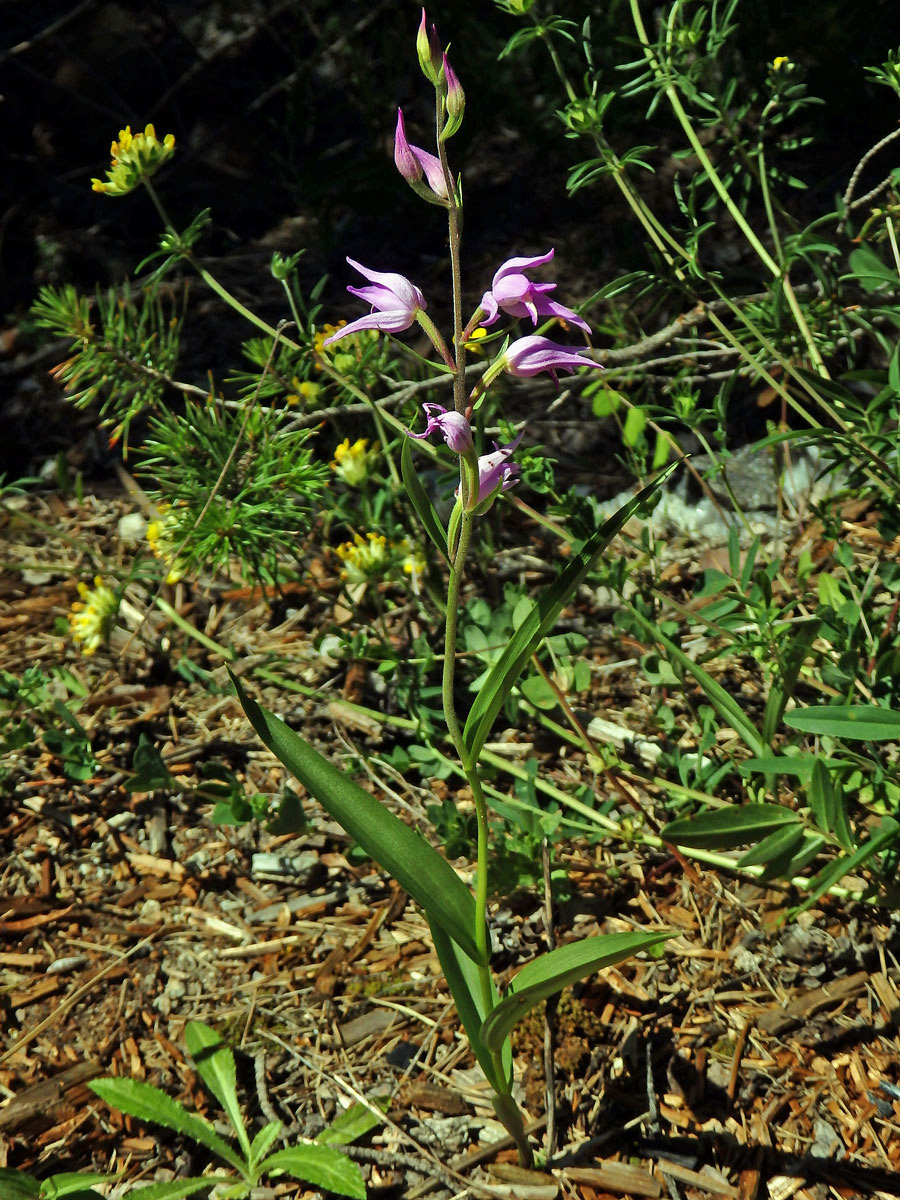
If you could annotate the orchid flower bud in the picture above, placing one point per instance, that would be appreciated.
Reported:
(454, 101)
(413, 162)
(428, 49)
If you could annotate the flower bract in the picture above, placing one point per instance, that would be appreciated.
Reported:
(514, 293)
(395, 302)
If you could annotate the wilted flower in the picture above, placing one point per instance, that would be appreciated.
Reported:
(413, 163)
(135, 156)
(91, 618)
(531, 355)
(496, 474)
(453, 427)
(394, 299)
(352, 463)
(363, 557)
(515, 293)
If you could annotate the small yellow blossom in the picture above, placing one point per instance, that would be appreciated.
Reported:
(91, 618)
(322, 335)
(161, 540)
(476, 336)
(353, 463)
(135, 156)
(413, 562)
(302, 389)
(363, 557)
(780, 62)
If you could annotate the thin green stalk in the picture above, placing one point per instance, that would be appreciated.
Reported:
(192, 631)
(736, 215)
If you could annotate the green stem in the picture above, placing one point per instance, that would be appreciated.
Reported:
(713, 176)
(192, 631)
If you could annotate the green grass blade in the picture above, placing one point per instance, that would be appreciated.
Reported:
(419, 499)
(399, 850)
(541, 619)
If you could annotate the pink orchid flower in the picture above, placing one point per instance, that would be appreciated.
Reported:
(395, 302)
(453, 427)
(531, 355)
(413, 163)
(518, 296)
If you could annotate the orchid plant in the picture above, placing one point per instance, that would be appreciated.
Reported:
(458, 918)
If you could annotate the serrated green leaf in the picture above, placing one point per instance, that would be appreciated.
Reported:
(727, 827)
(857, 722)
(547, 975)
(262, 1143)
(177, 1189)
(150, 1104)
(541, 619)
(418, 868)
(418, 497)
(354, 1122)
(321, 1166)
(215, 1065)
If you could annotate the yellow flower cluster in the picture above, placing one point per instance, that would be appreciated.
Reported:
(91, 618)
(161, 540)
(363, 557)
(781, 62)
(135, 156)
(352, 463)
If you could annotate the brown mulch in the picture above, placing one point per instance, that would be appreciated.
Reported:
(755, 1058)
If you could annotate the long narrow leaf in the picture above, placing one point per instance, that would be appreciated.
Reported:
(178, 1188)
(726, 827)
(68, 1183)
(724, 703)
(465, 987)
(150, 1104)
(888, 831)
(541, 619)
(779, 846)
(803, 634)
(551, 972)
(18, 1185)
(416, 866)
(862, 722)
(215, 1066)
(321, 1166)
(419, 499)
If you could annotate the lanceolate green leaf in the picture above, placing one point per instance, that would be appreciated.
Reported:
(464, 982)
(150, 1104)
(776, 849)
(215, 1065)
(733, 826)
(17, 1185)
(403, 853)
(178, 1188)
(354, 1122)
(888, 831)
(556, 970)
(321, 1166)
(68, 1183)
(541, 619)
(803, 634)
(724, 704)
(419, 499)
(862, 722)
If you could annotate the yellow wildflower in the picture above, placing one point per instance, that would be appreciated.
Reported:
(322, 335)
(161, 540)
(135, 156)
(363, 557)
(353, 463)
(780, 62)
(476, 336)
(91, 618)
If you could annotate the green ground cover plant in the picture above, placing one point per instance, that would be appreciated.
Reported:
(800, 786)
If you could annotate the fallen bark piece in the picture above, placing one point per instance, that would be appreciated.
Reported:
(622, 1178)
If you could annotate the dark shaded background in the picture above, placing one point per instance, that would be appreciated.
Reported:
(284, 112)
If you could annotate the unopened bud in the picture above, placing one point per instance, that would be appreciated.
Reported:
(454, 101)
(428, 49)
